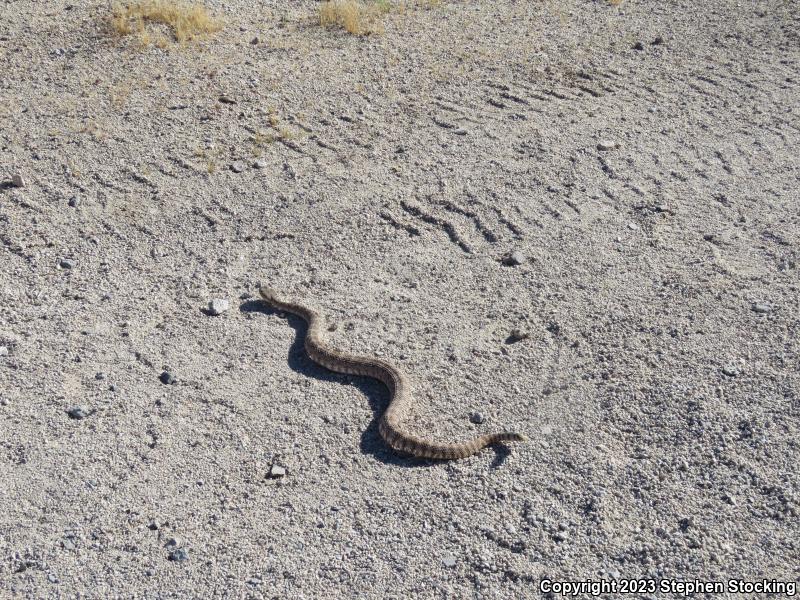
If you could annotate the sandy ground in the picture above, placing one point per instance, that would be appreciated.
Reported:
(640, 159)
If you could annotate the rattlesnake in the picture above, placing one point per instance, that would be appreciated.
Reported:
(388, 374)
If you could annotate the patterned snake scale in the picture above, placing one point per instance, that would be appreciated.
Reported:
(388, 374)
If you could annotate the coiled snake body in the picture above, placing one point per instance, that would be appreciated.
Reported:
(388, 374)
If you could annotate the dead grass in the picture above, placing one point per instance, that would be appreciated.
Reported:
(354, 16)
(149, 19)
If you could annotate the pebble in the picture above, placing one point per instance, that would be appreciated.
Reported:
(606, 145)
(3, 401)
(277, 472)
(514, 258)
(167, 378)
(237, 167)
(3, 350)
(227, 100)
(518, 335)
(762, 308)
(254, 41)
(560, 536)
(178, 555)
(449, 561)
(477, 418)
(254, 581)
(730, 371)
(67, 544)
(218, 306)
(260, 164)
(75, 202)
(65, 263)
(17, 180)
(112, 388)
(78, 412)
(52, 578)
(100, 376)
(638, 46)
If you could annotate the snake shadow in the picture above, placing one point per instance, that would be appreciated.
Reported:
(377, 395)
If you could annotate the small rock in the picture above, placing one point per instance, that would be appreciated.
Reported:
(152, 526)
(227, 100)
(633, 226)
(513, 258)
(449, 561)
(17, 180)
(52, 578)
(560, 536)
(178, 555)
(254, 581)
(3, 350)
(218, 306)
(606, 145)
(477, 418)
(65, 263)
(255, 41)
(762, 308)
(75, 202)
(638, 46)
(100, 376)
(260, 164)
(3, 401)
(78, 412)
(112, 388)
(277, 472)
(730, 371)
(167, 378)
(237, 167)
(67, 544)
(172, 543)
(518, 335)
(658, 40)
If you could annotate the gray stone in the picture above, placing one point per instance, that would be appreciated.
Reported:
(606, 145)
(17, 180)
(730, 371)
(52, 578)
(449, 561)
(100, 376)
(260, 164)
(65, 263)
(514, 258)
(218, 306)
(178, 555)
(518, 335)
(276, 472)
(75, 202)
(167, 378)
(762, 308)
(78, 412)
(477, 418)
(3, 350)
(237, 167)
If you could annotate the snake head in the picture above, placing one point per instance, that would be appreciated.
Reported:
(268, 294)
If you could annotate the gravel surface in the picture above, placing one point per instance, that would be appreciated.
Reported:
(571, 219)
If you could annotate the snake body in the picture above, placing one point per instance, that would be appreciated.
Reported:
(390, 425)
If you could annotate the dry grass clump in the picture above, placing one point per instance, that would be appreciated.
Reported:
(186, 21)
(353, 16)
